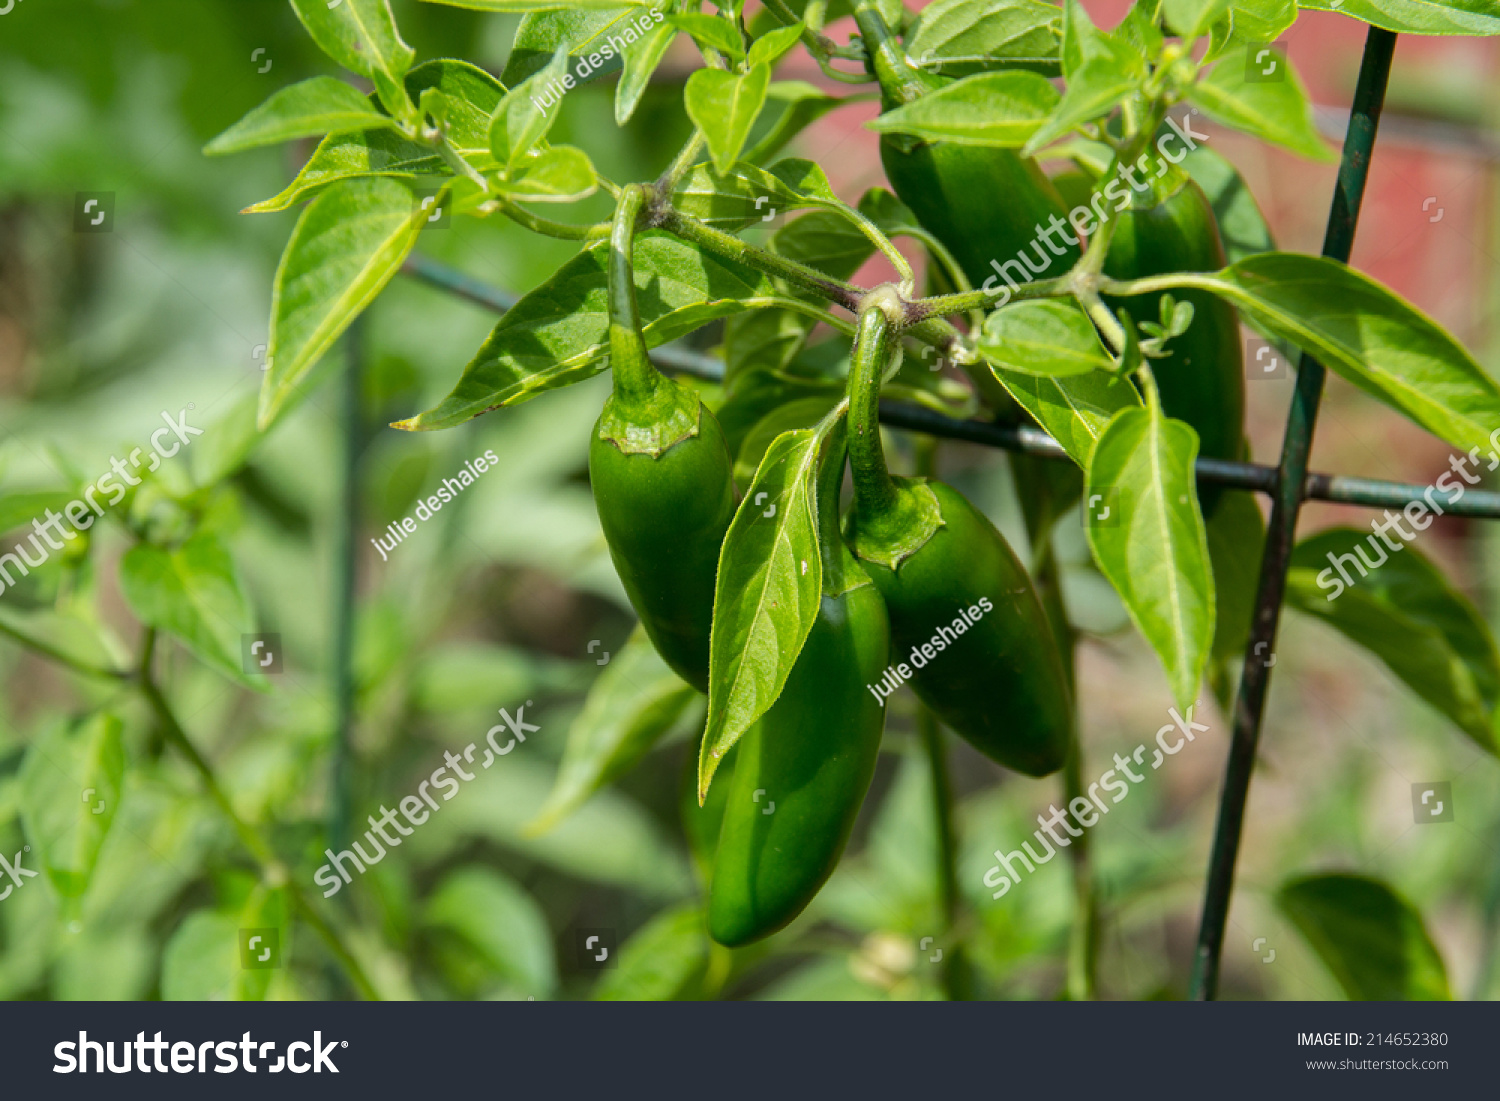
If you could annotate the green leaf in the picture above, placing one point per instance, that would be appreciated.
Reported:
(1370, 336)
(201, 959)
(18, 510)
(724, 106)
(961, 36)
(712, 32)
(744, 194)
(1466, 17)
(1074, 411)
(770, 47)
(1403, 610)
(321, 105)
(70, 786)
(789, 416)
(559, 333)
(265, 910)
(1083, 42)
(520, 121)
(1277, 111)
(1191, 18)
(1242, 227)
(767, 595)
(635, 701)
(1003, 109)
(471, 96)
(193, 593)
(1147, 534)
(1236, 539)
(1371, 938)
(1093, 91)
(805, 104)
(1251, 22)
(501, 922)
(539, 5)
(663, 961)
(585, 32)
(69, 634)
(361, 36)
(641, 59)
(345, 248)
(558, 174)
(1043, 336)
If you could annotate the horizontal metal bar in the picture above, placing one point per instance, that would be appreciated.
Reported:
(1461, 501)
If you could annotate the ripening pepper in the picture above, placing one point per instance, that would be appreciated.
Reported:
(988, 205)
(803, 768)
(968, 631)
(1202, 381)
(662, 479)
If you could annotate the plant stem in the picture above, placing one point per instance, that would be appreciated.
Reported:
(943, 305)
(546, 226)
(680, 165)
(635, 379)
(47, 650)
(272, 870)
(727, 245)
(874, 491)
(947, 847)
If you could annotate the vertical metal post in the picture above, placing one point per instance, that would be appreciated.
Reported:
(1359, 142)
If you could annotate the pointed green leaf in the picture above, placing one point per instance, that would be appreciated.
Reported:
(193, 593)
(1465, 17)
(521, 120)
(559, 333)
(1191, 18)
(1236, 540)
(1074, 411)
(662, 961)
(1370, 336)
(745, 194)
(1147, 533)
(766, 597)
(635, 701)
(593, 36)
(500, 923)
(1043, 336)
(345, 248)
(1242, 226)
(361, 36)
(1405, 612)
(1003, 109)
(955, 37)
(1277, 111)
(772, 46)
(641, 59)
(724, 106)
(558, 174)
(1092, 92)
(471, 96)
(539, 5)
(321, 105)
(1371, 938)
(70, 786)
(711, 32)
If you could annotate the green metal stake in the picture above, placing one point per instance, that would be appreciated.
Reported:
(1359, 142)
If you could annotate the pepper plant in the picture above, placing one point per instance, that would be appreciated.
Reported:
(1086, 270)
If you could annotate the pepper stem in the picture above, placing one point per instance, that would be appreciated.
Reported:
(874, 491)
(635, 378)
(900, 80)
(835, 555)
